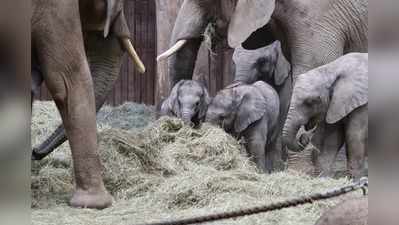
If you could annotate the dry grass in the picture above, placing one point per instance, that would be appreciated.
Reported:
(166, 170)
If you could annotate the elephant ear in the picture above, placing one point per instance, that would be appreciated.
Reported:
(205, 101)
(171, 104)
(114, 7)
(251, 109)
(349, 93)
(165, 108)
(249, 15)
(174, 98)
(283, 67)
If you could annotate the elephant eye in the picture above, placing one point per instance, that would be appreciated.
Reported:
(312, 101)
(261, 61)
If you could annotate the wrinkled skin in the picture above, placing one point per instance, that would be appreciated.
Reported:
(352, 212)
(306, 161)
(188, 100)
(249, 112)
(267, 64)
(104, 55)
(58, 46)
(311, 34)
(335, 98)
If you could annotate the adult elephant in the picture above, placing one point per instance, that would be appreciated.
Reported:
(312, 34)
(59, 45)
(106, 38)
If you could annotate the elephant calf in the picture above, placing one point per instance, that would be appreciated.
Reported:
(333, 98)
(267, 64)
(188, 100)
(250, 112)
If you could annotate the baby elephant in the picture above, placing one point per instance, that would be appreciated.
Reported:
(267, 64)
(188, 100)
(250, 112)
(335, 98)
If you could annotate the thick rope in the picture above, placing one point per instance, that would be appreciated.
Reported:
(362, 184)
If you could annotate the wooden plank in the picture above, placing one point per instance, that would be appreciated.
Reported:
(134, 19)
(152, 45)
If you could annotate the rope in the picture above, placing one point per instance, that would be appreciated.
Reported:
(362, 184)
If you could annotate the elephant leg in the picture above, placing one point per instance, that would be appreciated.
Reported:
(274, 157)
(105, 58)
(59, 41)
(256, 139)
(256, 149)
(305, 56)
(37, 80)
(356, 135)
(329, 140)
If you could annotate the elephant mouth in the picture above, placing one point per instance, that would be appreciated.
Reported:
(215, 35)
(312, 123)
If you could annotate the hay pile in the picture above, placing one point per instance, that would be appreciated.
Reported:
(165, 171)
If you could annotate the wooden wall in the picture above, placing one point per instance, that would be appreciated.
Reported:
(143, 16)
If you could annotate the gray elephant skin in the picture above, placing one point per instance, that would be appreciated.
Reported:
(334, 98)
(105, 35)
(250, 112)
(71, 41)
(311, 34)
(267, 64)
(188, 100)
(306, 161)
(350, 212)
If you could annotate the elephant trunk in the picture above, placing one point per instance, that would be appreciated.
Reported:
(187, 36)
(105, 59)
(182, 64)
(290, 130)
(242, 76)
(57, 138)
(187, 116)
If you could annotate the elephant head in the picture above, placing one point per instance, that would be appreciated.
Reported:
(237, 18)
(236, 108)
(107, 39)
(327, 93)
(267, 64)
(188, 100)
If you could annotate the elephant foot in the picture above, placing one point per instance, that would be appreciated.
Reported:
(89, 199)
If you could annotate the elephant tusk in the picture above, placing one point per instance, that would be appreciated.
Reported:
(175, 48)
(127, 44)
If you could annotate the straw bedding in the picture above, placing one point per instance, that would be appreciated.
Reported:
(159, 170)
